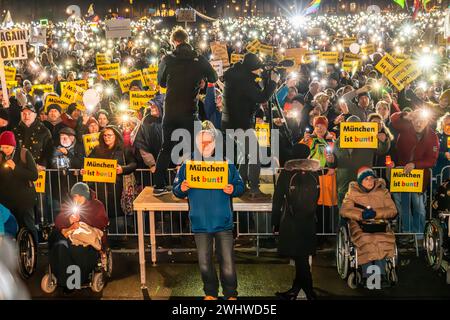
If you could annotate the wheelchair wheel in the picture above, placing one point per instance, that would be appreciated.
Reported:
(97, 282)
(433, 242)
(391, 273)
(109, 263)
(354, 279)
(48, 283)
(27, 253)
(342, 252)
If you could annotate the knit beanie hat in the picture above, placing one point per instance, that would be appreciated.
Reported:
(7, 138)
(363, 173)
(81, 189)
(53, 106)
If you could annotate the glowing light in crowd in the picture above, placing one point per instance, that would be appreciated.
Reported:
(425, 61)
(425, 113)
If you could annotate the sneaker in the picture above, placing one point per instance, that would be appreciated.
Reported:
(160, 192)
(210, 298)
(258, 195)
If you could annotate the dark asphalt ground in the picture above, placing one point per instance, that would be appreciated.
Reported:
(177, 277)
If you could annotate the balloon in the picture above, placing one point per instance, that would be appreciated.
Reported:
(354, 48)
(91, 98)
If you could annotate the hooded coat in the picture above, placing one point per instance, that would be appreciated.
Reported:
(371, 246)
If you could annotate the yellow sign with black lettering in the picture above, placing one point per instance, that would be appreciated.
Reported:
(263, 134)
(126, 79)
(11, 84)
(266, 49)
(46, 88)
(329, 57)
(386, 64)
(10, 73)
(311, 56)
(253, 46)
(346, 42)
(80, 83)
(139, 99)
(100, 170)
(101, 58)
(405, 73)
(220, 52)
(295, 54)
(51, 99)
(358, 135)
(368, 49)
(39, 184)
(402, 182)
(207, 174)
(150, 75)
(109, 71)
(351, 57)
(351, 66)
(90, 141)
(236, 57)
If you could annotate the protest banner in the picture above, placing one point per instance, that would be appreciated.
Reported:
(311, 56)
(100, 170)
(263, 134)
(10, 73)
(403, 74)
(217, 66)
(11, 85)
(236, 57)
(351, 66)
(400, 57)
(53, 99)
(69, 93)
(296, 54)
(220, 52)
(39, 184)
(102, 58)
(126, 79)
(109, 71)
(253, 46)
(117, 28)
(402, 182)
(150, 75)
(329, 57)
(368, 49)
(207, 174)
(90, 141)
(351, 57)
(46, 88)
(346, 42)
(386, 64)
(266, 49)
(358, 135)
(138, 99)
(80, 83)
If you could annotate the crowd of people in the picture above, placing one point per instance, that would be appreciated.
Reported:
(312, 99)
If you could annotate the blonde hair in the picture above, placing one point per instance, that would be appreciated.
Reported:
(321, 97)
(441, 122)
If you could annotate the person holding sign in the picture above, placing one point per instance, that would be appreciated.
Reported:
(417, 148)
(362, 108)
(181, 73)
(211, 215)
(367, 199)
(17, 173)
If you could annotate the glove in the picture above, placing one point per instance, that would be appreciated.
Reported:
(368, 213)
(275, 77)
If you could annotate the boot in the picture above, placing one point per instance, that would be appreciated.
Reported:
(291, 294)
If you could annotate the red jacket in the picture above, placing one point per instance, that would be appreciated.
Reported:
(423, 153)
(68, 121)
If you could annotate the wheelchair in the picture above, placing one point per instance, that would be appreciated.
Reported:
(347, 259)
(97, 277)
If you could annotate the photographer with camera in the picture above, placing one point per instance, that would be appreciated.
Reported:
(242, 96)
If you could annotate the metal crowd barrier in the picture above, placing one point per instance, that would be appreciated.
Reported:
(258, 224)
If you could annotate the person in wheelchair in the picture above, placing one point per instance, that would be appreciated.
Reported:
(366, 203)
(78, 238)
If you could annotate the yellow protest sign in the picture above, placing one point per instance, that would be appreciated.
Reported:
(138, 99)
(296, 54)
(207, 174)
(400, 57)
(102, 58)
(162, 90)
(351, 57)
(266, 49)
(236, 57)
(100, 170)
(263, 134)
(368, 49)
(405, 73)
(39, 184)
(46, 88)
(386, 64)
(220, 52)
(346, 42)
(311, 56)
(253, 46)
(150, 75)
(358, 135)
(80, 83)
(402, 182)
(329, 57)
(109, 71)
(52, 99)
(351, 66)
(126, 79)
(90, 141)
(10, 73)
(11, 84)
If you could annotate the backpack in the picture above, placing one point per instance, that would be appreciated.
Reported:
(303, 187)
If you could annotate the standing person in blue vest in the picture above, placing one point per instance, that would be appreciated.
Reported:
(211, 215)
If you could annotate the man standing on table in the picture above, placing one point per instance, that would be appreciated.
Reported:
(181, 73)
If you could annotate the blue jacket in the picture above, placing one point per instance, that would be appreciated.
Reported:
(8, 224)
(282, 94)
(210, 211)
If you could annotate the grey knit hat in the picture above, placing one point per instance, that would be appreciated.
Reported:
(81, 189)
